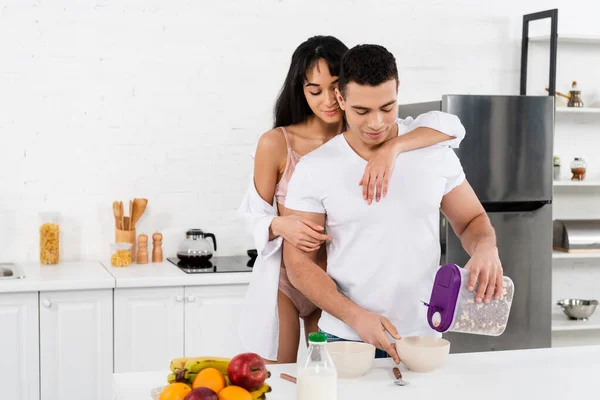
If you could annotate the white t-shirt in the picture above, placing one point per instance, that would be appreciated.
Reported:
(382, 256)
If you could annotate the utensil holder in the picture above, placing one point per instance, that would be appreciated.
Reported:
(127, 237)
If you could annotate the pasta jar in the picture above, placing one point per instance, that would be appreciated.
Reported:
(121, 254)
(452, 305)
(49, 238)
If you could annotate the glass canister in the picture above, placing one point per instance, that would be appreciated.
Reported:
(49, 238)
(452, 305)
(121, 254)
(578, 169)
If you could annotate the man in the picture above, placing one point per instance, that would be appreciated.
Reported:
(383, 257)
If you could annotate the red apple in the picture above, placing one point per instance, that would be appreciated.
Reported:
(201, 393)
(247, 370)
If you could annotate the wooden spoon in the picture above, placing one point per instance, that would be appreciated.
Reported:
(117, 213)
(130, 227)
(139, 207)
(122, 215)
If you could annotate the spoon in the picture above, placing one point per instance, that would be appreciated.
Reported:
(399, 381)
(117, 214)
(139, 207)
(122, 215)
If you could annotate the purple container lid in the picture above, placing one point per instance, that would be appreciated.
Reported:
(442, 304)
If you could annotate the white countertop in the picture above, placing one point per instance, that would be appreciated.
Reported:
(167, 274)
(75, 275)
(557, 373)
(82, 275)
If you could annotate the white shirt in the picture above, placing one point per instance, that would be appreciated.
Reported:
(382, 256)
(259, 322)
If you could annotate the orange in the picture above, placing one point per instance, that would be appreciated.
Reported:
(175, 391)
(210, 378)
(234, 393)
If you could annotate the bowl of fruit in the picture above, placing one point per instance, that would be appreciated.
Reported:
(214, 378)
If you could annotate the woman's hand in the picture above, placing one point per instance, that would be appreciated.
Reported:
(302, 233)
(378, 170)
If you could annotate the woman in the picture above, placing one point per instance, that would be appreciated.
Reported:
(306, 116)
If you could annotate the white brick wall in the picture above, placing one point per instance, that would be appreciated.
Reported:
(104, 100)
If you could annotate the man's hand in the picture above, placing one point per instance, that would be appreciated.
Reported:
(371, 328)
(486, 267)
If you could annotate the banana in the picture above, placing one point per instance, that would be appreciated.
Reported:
(171, 378)
(197, 365)
(184, 377)
(177, 364)
(261, 392)
(180, 363)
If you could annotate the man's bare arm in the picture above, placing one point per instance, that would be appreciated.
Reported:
(318, 287)
(468, 218)
(310, 279)
(472, 225)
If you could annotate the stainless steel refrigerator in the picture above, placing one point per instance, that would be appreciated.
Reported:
(507, 158)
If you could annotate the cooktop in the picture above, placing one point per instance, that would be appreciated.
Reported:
(216, 265)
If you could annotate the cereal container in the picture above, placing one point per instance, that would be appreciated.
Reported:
(452, 306)
(121, 254)
(49, 238)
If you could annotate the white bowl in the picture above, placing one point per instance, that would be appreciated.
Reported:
(351, 359)
(423, 353)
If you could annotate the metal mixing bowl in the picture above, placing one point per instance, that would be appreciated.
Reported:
(578, 309)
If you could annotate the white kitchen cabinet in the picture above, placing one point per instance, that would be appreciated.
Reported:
(19, 346)
(76, 344)
(148, 328)
(212, 315)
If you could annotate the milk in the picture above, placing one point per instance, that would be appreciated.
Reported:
(316, 384)
(317, 378)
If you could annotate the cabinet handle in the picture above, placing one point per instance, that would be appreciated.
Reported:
(47, 303)
(179, 298)
(191, 299)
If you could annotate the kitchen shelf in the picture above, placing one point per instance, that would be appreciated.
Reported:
(580, 39)
(566, 183)
(561, 255)
(578, 110)
(560, 323)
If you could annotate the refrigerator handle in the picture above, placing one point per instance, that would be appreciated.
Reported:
(519, 206)
(553, 15)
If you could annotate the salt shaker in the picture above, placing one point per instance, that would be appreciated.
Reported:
(157, 254)
(142, 249)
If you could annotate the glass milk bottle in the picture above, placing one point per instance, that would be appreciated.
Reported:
(317, 378)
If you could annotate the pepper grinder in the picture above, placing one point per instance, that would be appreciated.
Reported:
(157, 254)
(575, 96)
(142, 253)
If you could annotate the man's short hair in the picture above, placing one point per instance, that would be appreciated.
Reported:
(367, 64)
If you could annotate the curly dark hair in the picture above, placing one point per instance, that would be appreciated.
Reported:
(291, 106)
(367, 64)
